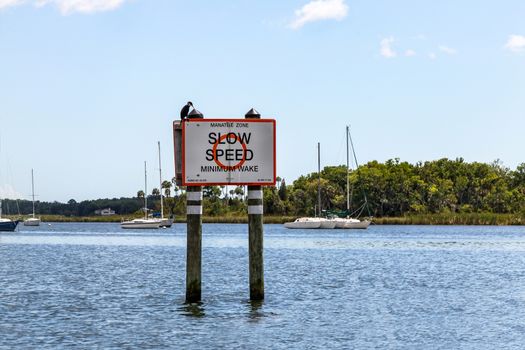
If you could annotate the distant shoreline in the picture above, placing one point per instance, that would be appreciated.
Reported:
(423, 219)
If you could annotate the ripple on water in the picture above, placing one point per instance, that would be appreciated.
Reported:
(79, 286)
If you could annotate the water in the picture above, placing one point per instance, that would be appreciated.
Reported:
(399, 287)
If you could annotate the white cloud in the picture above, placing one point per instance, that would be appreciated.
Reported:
(318, 10)
(410, 53)
(432, 56)
(515, 43)
(8, 3)
(67, 7)
(82, 6)
(447, 50)
(386, 48)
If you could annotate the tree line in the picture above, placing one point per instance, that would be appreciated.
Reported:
(390, 189)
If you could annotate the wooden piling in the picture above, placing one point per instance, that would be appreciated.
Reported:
(194, 243)
(255, 233)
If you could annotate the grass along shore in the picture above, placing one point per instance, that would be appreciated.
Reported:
(422, 219)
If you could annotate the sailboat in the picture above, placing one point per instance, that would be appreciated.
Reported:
(7, 224)
(348, 222)
(318, 221)
(32, 221)
(142, 223)
(165, 222)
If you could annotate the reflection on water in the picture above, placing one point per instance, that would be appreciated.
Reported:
(255, 310)
(97, 286)
(192, 309)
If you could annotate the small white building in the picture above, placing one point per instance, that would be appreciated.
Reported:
(105, 212)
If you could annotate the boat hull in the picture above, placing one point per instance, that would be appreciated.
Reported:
(32, 222)
(352, 224)
(327, 224)
(8, 226)
(303, 223)
(140, 224)
(312, 223)
(166, 223)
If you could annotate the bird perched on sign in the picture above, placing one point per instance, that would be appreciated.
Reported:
(185, 110)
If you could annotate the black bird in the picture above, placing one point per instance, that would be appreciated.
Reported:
(185, 110)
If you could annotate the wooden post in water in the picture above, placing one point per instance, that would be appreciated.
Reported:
(194, 236)
(255, 233)
(194, 243)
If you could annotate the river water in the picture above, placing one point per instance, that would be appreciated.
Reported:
(398, 287)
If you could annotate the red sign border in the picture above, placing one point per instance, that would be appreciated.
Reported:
(198, 120)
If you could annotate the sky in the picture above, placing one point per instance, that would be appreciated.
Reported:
(88, 87)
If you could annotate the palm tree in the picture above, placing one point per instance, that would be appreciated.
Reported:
(155, 192)
(239, 191)
(166, 186)
(140, 194)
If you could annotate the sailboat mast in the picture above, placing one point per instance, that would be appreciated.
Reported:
(33, 191)
(160, 186)
(145, 192)
(347, 173)
(319, 177)
(357, 166)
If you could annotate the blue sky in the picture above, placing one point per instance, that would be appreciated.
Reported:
(87, 87)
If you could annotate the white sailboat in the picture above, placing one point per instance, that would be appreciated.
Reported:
(143, 223)
(315, 222)
(166, 222)
(348, 222)
(33, 220)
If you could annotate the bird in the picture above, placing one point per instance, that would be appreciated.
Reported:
(185, 110)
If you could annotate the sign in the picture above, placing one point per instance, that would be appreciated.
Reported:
(228, 152)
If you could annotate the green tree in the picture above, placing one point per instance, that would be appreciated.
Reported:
(283, 192)
(166, 186)
(155, 192)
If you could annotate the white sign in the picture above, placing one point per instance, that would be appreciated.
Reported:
(228, 152)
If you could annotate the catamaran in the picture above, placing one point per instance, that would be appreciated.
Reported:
(145, 223)
(33, 220)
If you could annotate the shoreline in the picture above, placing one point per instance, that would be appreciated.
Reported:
(468, 219)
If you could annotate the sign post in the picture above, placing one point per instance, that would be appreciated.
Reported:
(255, 233)
(193, 236)
(194, 243)
(211, 152)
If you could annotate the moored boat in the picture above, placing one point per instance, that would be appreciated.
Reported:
(144, 223)
(349, 222)
(32, 221)
(317, 222)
